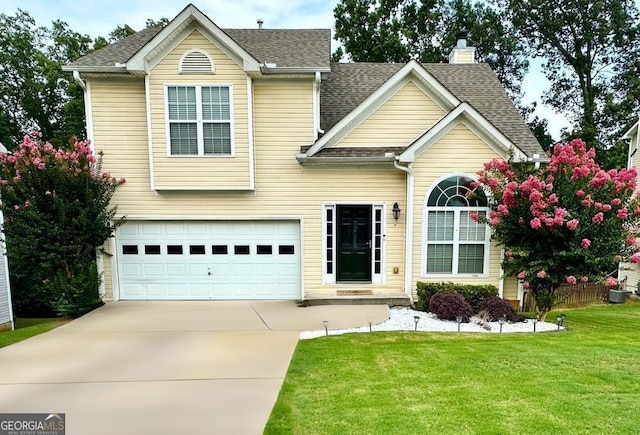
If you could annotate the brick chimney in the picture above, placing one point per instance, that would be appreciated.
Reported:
(461, 53)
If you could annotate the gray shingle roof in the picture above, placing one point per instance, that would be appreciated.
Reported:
(355, 151)
(294, 48)
(349, 84)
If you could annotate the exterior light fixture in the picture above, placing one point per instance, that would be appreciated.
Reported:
(416, 319)
(535, 320)
(559, 320)
(501, 321)
(396, 211)
(326, 327)
(459, 320)
(370, 322)
(563, 316)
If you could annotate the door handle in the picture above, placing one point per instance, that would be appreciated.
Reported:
(369, 244)
(209, 271)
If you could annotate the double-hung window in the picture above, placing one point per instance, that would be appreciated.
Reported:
(200, 120)
(454, 243)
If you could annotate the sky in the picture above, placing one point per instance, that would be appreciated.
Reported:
(99, 17)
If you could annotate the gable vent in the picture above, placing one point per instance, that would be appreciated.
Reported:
(196, 62)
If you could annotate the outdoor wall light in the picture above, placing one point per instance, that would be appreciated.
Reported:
(501, 321)
(326, 327)
(416, 319)
(396, 211)
(459, 320)
(534, 320)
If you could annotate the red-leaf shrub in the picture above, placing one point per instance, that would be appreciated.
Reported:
(496, 308)
(448, 306)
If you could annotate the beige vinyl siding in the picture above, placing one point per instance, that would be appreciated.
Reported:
(213, 172)
(283, 114)
(460, 151)
(510, 289)
(398, 122)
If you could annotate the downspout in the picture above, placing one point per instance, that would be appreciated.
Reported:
(408, 255)
(78, 79)
(316, 95)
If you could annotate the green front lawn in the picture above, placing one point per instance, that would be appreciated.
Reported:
(26, 328)
(583, 381)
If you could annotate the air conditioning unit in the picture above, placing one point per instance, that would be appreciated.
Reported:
(618, 296)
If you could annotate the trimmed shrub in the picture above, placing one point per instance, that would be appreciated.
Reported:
(495, 308)
(448, 306)
(475, 295)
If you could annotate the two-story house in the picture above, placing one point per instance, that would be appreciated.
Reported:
(257, 169)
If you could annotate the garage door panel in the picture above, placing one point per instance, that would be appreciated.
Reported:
(209, 260)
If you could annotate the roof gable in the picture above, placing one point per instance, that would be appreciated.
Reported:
(349, 85)
(413, 71)
(274, 50)
(632, 131)
(475, 122)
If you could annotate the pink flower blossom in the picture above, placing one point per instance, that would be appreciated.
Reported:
(503, 209)
(522, 275)
(606, 208)
(616, 202)
(552, 199)
(636, 212)
(542, 274)
(611, 282)
(598, 218)
(573, 224)
(525, 284)
(584, 279)
(48, 193)
(635, 258)
(622, 213)
(580, 193)
(585, 243)
(123, 180)
(473, 215)
(508, 253)
(535, 223)
(571, 279)
(617, 258)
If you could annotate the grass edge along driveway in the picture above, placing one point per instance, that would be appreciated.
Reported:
(584, 380)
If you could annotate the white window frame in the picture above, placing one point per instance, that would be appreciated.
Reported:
(376, 278)
(456, 236)
(199, 119)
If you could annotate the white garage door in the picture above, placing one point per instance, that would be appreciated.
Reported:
(209, 260)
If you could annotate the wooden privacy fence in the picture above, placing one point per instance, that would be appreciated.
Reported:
(576, 295)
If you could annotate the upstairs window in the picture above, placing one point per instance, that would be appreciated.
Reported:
(454, 243)
(200, 120)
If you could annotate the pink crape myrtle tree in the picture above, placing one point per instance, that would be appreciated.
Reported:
(566, 222)
(57, 212)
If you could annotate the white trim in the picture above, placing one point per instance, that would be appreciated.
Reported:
(5, 262)
(252, 166)
(183, 217)
(204, 188)
(471, 118)
(179, 24)
(115, 276)
(379, 97)
(379, 278)
(634, 129)
(501, 281)
(212, 65)
(199, 121)
(456, 225)
(88, 110)
(408, 244)
(147, 91)
(328, 278)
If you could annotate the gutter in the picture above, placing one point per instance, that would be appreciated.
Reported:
(270, 68)
(304, 159)
(408, 267)
(78, 79)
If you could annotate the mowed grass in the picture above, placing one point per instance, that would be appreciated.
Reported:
(582, 381)
(26, 328)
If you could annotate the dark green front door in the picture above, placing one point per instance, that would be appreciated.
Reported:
(354, 243)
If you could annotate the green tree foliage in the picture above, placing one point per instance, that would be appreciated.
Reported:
(568, 221)
(56, 208)
(400, 30)
(590, 50)
(36, 93)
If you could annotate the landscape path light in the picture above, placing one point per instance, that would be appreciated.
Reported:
(459, 320)
(534, 320)
(326, 327)
(501, 321)
(559, 321)
(370, 323)
(416, 319)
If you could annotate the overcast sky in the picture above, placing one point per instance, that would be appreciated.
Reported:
(99, 17)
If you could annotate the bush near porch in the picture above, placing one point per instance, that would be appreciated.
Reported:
(476, 295)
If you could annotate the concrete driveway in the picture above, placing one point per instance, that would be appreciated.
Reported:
(187, 367)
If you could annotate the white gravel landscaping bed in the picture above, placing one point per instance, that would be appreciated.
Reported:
(402, 319)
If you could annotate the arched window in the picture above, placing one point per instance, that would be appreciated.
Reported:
(454, 244)
(196, 62)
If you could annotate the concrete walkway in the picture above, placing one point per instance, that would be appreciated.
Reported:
(187, 367)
